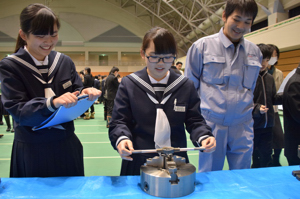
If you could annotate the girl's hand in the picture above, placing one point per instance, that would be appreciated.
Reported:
(263, 109)
(124, 148)
(92, 92)
(209, 144)
(67, 100)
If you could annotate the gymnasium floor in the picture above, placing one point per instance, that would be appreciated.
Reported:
(100, 159)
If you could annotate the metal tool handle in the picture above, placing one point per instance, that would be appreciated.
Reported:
(160, 150)
(193, 149)
(144, 151)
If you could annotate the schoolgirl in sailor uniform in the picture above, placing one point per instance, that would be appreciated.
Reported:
(154, 105)
(35, 82)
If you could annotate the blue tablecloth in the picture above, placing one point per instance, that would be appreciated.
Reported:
(274, 182)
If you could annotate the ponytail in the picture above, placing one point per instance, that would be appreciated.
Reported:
(20, 43)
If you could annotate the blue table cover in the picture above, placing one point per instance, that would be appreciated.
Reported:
(273, 182)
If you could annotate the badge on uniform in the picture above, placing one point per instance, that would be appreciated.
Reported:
(178, 108)
(67, 84)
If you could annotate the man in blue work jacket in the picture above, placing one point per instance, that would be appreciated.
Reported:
(224, 68)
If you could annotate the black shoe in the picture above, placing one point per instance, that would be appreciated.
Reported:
(1, 135)
(1, 123)
(8, 129)
(13, 130)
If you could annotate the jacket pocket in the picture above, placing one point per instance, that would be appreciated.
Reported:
(251, 70)
(213, 72)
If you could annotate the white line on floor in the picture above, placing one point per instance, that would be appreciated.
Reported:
(92, 133)
(81, 142)
(95, 142)
(87, 125)
(108, 157)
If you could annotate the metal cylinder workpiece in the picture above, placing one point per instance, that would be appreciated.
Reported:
(168, 178)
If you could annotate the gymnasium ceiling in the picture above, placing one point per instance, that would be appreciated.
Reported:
(92, 21)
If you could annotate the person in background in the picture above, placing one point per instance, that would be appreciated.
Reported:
(96, 82)
(89, 82)
(36, 81)
(97, 86)
(119, 78)
(175, 69)
(9, 125)
(278, 137)
(6, 116)
(291, 116)
(263, 113)
(81, 75)
(153, 107)
(224, 68)
(100, 80)
(104, 96)
(111, 88)
(1, 108)
(179, 66)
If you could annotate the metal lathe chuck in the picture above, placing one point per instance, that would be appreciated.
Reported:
(168, 175)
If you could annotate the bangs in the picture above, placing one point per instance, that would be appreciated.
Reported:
(245, 7)
(248, 12)
(43, 23)
(164, 42)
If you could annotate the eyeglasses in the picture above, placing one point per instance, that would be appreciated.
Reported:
(156, 59)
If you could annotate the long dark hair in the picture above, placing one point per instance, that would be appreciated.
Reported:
(37, 19)
(163, 40)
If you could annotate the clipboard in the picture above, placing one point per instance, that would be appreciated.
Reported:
(63, 115)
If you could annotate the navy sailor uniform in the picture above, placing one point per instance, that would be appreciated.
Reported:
(46, 152)
(134, 115)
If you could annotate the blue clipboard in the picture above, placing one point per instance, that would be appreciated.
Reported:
(63, 115)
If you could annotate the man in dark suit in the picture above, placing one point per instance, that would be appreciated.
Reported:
(88, 82)
(111, 85)
(291, 115)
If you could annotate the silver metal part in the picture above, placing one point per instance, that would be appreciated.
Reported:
(168, 175)
(168, 150)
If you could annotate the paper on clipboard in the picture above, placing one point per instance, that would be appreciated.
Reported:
(62, 114)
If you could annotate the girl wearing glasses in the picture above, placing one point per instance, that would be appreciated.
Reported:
(153, 107)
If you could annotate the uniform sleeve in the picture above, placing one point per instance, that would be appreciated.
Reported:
(256, 111)
(293, 100)
(277, 98)
(121, 116)
(194, 65)
(116, 82)
(28, 109)
(260, 58)
(24, 110)
(194, 122)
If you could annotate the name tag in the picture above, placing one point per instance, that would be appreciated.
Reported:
(179, 108)
(67, 84)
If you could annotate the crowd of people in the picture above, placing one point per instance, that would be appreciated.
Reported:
(226, 99)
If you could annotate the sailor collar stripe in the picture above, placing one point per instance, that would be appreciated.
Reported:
(34, 69)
